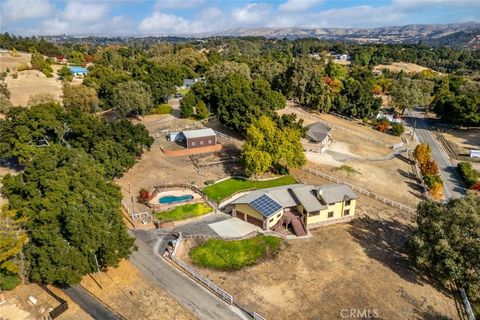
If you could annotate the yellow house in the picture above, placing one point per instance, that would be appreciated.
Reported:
(302, 206)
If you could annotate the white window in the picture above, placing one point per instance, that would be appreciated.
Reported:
(330, 214)
(346, 212)
(209, 141)
(347, 203)
(201, 142)
(194, 144)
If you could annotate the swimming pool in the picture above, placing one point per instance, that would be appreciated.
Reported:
(175, 199)
(77, 69)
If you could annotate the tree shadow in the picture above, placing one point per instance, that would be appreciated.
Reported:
(408, 175)
(384, 241)
(404, 159)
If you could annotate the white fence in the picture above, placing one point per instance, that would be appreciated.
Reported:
(229, 138)
(224, 295)
(363, 191)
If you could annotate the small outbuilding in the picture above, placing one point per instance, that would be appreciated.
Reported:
(200, 138)
(319, 133)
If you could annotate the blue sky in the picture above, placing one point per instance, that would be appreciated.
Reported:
(175, 17)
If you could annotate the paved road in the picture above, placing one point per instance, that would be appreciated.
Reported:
(90, 304)
(200, 301)
(452, 186)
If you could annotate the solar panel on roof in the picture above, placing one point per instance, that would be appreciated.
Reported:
(265, 205)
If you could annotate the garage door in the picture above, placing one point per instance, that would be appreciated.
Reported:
(255, 221)
(240, 215)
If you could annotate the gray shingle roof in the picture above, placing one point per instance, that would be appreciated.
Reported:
(318, 131)
(294, 194)
(334, 193)
(307, 197)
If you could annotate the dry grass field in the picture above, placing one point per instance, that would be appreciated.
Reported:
(12, 63)
(399, 66)
(463, 140)
(127, 292)
(362, 265)
(30, 83)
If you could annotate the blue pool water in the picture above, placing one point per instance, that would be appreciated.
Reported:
(174, 199)
(77, 69)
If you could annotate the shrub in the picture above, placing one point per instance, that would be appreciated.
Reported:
(422, 153)
(397, 129)
(469, 174)
(431, 180)
(15, 75)
(143, 195)
(436, 191)
(8, 281)
(382, 125)
(429, 168)
(209, 182)
(8, 69)
(161, 109)
(23, 67)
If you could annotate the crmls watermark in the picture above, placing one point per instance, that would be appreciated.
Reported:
(359, 314)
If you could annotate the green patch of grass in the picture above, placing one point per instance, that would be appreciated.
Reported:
(234, 255)
(222, 190)
(183, 91)
(184, 212)
(347, 169)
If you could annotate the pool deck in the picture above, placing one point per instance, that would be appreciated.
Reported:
(174, 192)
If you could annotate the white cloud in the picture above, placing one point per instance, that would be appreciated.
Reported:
(86, 18)
(14, 10)
(84, 12)
(298, 5)
(162, 23)
(252, 14)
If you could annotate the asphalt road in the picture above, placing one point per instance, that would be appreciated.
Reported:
(452, 186)
(90, 304)
(199, 300)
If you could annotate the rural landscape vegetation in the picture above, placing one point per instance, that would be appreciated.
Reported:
(88, 152)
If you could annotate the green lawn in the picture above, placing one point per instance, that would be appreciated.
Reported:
(183, 91)
(221, 190)
(234, 255)
(184, 212)
(476, 309)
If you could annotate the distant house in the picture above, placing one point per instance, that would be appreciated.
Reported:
(78, 71)
(195, 138)
(188, 83)
(474, 153)
(301, 206)
(319, 133)
(389, 117)
(342, 57)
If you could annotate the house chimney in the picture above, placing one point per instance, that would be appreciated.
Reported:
(320, 193)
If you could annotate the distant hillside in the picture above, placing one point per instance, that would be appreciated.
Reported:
(455, 34)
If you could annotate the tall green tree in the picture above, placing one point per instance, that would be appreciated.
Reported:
(132, 97)
(12, 239)
(73, 216)
(80, 96)
(267, 146)
(446, 243)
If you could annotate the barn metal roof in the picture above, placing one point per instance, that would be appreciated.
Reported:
(189, 134)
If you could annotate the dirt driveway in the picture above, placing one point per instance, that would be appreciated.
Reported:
(357, 266)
